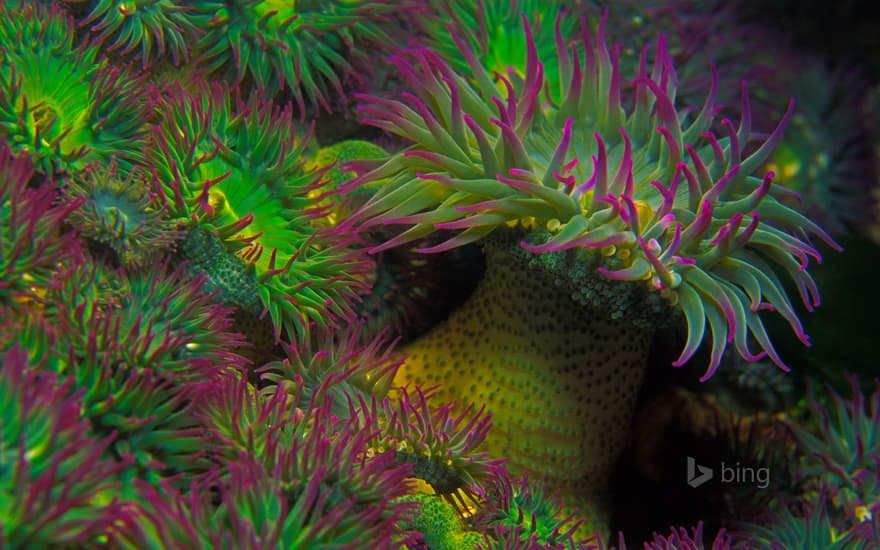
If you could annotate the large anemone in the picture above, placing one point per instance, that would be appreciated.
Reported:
(233, 170)
(57, 490)
(600, 223)
(157, 28)
(58, 101)
(301, 46)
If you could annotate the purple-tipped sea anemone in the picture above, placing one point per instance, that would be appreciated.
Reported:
(32, 244)
(153, 29)
(57, 489)
(58, 102)
(121, 212)
(300, 46)
(600, 223)
(233, 171)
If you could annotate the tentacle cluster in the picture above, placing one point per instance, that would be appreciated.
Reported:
(301, 46)
(158, 28)
(234, 168)
(59, 102)
(57, 489)
(650, 191)
(492, 30)
(122, 212)
(32, 244)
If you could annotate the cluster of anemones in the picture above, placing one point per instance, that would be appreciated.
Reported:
(144, 226)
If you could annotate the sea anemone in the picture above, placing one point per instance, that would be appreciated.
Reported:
(158, 319)
(599, 225)
(840, 454)
(440, 442)
(120, 211)
(524, 509)
(810, 526)
(58, 102)
(234, 169)
(357, 369)
(301, 47)
(492, 30)
(320, 478)
(57, 488)
(32, 244)
(158, 28)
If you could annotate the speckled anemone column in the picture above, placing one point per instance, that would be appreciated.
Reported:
(559, 377)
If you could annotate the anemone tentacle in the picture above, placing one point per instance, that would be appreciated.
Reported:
(218, 169)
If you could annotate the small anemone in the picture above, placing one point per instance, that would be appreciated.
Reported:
(840, 454)
(58, 102)
(32, 244)
(358, 369)
(440, 442)
(234, 169)
(526, 511)
(158, 28)
(57, 487)
(492, 31)
(302, 47)
(320, 473)
(121, 212)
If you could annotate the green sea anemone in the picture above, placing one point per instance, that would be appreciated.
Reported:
(156, 319)
(524, 509)
(600, 223)
(840, 454)
(492, 30)
(56, 489)
(32, 245)
(58, 101)
(302, 452)
(120, 211)
(440, 442)
(358, 369)
(301, 46)
(234, 170)
(158, 28)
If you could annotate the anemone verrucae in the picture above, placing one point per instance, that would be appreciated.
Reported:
(599, 223)
(60, 102)
(233, 171)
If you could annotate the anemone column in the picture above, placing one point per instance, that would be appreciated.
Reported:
(559, 377)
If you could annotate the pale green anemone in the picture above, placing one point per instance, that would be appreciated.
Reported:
(234, 169)
(59, 102)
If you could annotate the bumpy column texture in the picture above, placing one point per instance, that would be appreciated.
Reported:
(560, 379)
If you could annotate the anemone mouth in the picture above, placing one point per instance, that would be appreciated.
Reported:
(677, 207)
